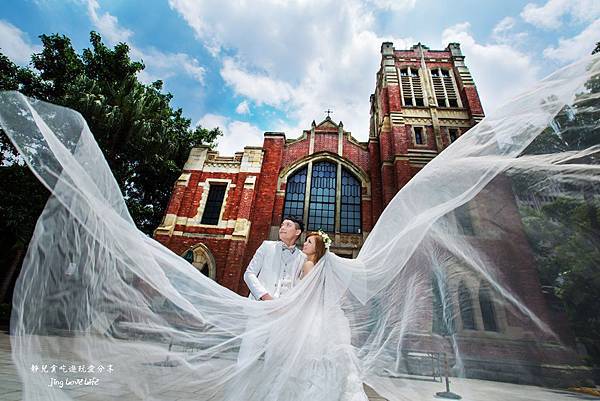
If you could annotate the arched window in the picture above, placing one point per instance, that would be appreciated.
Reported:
(319, 193)
(321, 209)
(350, 218)
(294, 195)
(466, 307)
(488, 315)
(443, 312)
(202, 259)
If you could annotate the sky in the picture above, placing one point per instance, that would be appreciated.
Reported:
(275, 65)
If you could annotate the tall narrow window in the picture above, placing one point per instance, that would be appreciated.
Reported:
(466, 307)
(350, 205)
(463, 219)
(418, 135)
(214, 202)
(294, 194)
(443, 321)
(443, 87)
(486, 304)
(412, 90)
(453, 133)
(321, 213)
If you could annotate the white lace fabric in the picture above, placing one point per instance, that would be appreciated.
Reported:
(95, 290)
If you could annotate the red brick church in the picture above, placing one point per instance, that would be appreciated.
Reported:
(223, 207)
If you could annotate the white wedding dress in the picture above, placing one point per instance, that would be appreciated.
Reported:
(299, 363)
(96, 291)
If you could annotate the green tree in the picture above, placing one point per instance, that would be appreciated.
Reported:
(144, 139)
(565, 233)
(567, 255)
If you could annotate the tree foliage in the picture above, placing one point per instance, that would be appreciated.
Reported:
(567, 253)
(565, 232)
(144, 139)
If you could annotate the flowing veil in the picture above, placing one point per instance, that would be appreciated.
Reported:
(98, 300)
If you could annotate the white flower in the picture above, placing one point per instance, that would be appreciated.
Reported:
(325, 238)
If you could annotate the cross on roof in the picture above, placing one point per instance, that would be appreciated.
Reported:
(328, 112)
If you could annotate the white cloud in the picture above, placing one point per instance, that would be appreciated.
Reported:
(236, 134)
(504, 33)
(159, 65)
(15, 44)
(393, 5)
(505, 24)
(243, 108)
(107, 24)
(300, 57)
(499, 70)
(551, 14)
(259, 87)
(575, 47)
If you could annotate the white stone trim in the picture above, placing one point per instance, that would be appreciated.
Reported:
(252, 160)
(195, 221)
(196, 159)
(423, 133)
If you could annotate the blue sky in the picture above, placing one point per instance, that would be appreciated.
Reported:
(275, 65)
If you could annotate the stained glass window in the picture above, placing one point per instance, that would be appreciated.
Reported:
(321, 212)
(322, 195)
(350, 205)
(294, 195)
(214, 202)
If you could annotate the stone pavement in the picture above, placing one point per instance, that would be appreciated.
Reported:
(410, 389)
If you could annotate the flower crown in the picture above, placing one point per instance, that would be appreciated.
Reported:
(325, 238)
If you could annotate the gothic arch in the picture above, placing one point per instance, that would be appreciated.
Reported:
(359, 173)
(202, 259)
(465, 301)
(488, 308)
(337, 189)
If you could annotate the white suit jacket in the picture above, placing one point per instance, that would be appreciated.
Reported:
(262, 274)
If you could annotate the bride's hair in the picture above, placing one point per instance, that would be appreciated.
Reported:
(319, 245)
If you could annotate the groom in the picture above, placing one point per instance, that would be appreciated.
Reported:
(275, 265)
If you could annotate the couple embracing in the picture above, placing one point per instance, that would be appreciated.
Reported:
(279, 265)
(302, 346)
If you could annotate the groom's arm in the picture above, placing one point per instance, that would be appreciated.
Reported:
(251, 274)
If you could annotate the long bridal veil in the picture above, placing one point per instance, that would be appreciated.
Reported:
(452, 279)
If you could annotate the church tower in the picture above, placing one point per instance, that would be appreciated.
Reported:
(424, 100)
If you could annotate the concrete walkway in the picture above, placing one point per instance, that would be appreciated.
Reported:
(10, 385)
(403, 389)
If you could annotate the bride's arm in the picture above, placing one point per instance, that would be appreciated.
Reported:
(306, 268)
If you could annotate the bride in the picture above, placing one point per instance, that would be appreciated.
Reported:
(300, 363)
(97, 299)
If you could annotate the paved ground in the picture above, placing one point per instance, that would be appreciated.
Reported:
(405, 389)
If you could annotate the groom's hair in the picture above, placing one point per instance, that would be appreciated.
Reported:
(299, 224)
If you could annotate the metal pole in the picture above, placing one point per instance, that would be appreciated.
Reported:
(447, 394)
